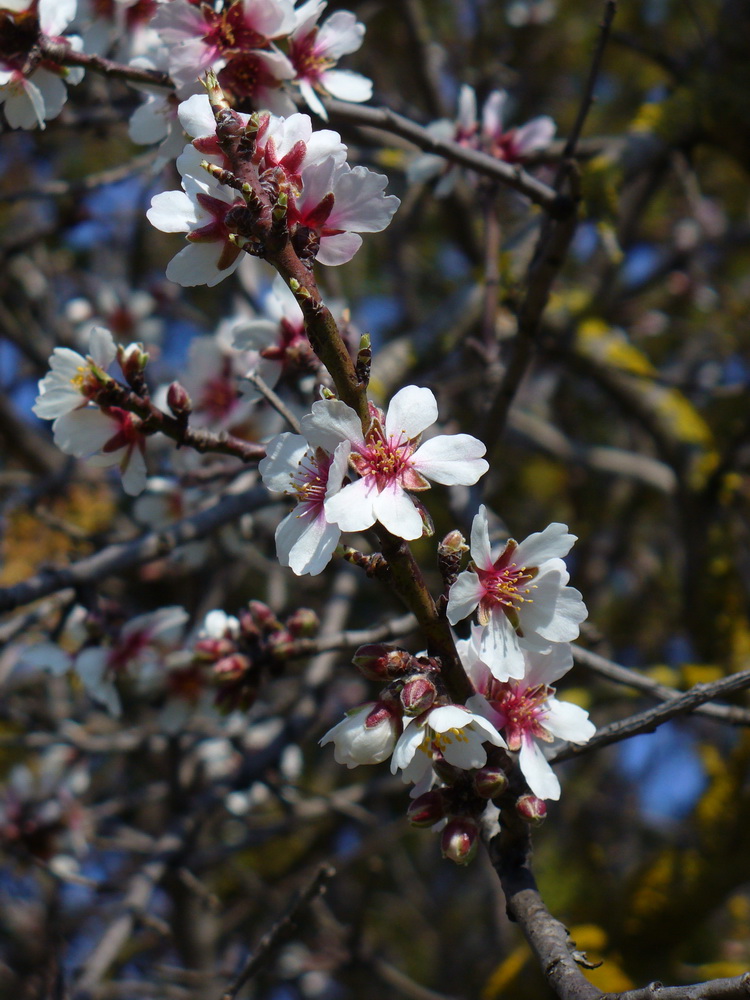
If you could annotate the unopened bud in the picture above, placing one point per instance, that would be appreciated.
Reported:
(489, 782)
(210, 650)
(178, 400)
(379, 662)
(264, 618)
(418, 694)
(427, 809)
(532, 809)
(231, 668)
(460, 841)
(132, 360)
(450, 555)
(303, 623)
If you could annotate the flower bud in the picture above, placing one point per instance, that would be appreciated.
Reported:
(263, 617)
(489, 782)
(132, 360)
(214, 649)
(366, 735)
(450, 554)
(379, 662)
(427, 809)
(532, 809)
(418, 694)
(303, 623)
(178, 400)
(460, 841)
(231, 668)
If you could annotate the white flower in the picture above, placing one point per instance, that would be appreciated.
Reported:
(32, 100)
(367, 735)
(315, 50)
(105, 437)
(73, 380)
(451, 732)
(528, 712)
(305, 539)
(140, 645)
(390, 460)
(520, 593)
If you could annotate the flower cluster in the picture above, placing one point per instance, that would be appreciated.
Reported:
(389, 459)
(515, 653)
(262, 50)
(83, 424)
(488, 136)
(308, 188)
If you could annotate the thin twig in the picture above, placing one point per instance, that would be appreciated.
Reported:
(716, 989)
(632, 678)
(274, 399)
(281, 930)
(647, 722)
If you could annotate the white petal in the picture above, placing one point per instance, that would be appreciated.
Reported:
(552, 543)
(305, 544)
(172, 212)
(465, 595)
(568, 722)
(134, 473)
(481, 552)
(352, 509)
(410, 411)
(340, 35)
(338, 249)
(396, 511)
(347, 86)
(451, 459)
(330, 422)
(492, 114)
(500, 648)
(547, 668)
(534, 135)
(283, 456)
(196, 116)
(539, 776)
(102, 347)
(407, 746)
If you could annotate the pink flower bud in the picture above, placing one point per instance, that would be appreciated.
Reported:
(427, 809)
(489, 782)
(379, 662)
(132, 360)
(231, 668)
(418, 694)
(178, 400)
(450, 554)
(532, 809)
(303, 623)
(460, 841)
(263, 617)
(213, 649)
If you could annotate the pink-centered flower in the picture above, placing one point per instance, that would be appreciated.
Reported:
(390, 460)
(520, 595)
(315, 50)
(526, 710)
(305, 539)
(73, 380)
(367, 734)
(105, 437)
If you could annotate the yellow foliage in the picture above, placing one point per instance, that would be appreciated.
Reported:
(701, 673)
(609, 977)
(543, 479)
(648, 118)
(505, 974)
(598, 340)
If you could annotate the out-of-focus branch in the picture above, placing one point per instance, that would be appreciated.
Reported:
(647, 722)
(116, 558)
(715, 989)
(632, 678)
(281, 930)
(61, 52)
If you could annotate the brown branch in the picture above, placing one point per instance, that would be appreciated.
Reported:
(123, 555)
(647, 722)
(737, 988)
(61, 52)
(281, 930)
(632, 678)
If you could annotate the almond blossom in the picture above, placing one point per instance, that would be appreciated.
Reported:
(520, 595)
(200, 38)
(449, 732)
(315, 50)
(33, 99)
(105, 437)
(305, 539)
(367, 734)
(527, 711)
(74, 380)
(391, 461)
